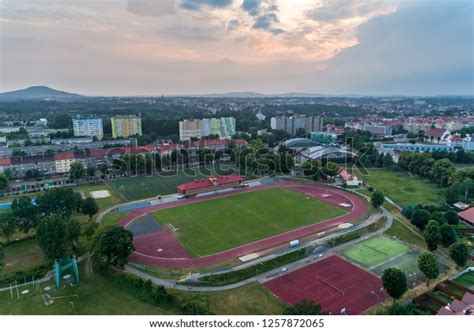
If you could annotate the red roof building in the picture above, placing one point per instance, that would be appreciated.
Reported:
(435, 133)
(467, 215)
(64, 156)
(210, 184)
(5, 161)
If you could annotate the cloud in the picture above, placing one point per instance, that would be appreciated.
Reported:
(251, 6)
(331, 10)
(197, 4)
(267, 22)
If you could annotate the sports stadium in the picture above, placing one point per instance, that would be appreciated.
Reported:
(232, 221)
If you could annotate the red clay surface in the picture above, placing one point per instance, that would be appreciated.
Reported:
(333, 283)
(162, 249)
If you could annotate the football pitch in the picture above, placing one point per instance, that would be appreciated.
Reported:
(219, 224)
(374, 251)
(143, 187)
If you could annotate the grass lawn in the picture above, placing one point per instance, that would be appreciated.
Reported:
(112, 217)
(216, 225)
(20, 256)
(466, 280)
(374, 251)
(143, 187)
(403, 188)
(252, 299)
(401, 231)
(95, 295)
(101, 295)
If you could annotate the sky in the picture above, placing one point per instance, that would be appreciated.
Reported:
(150, 47)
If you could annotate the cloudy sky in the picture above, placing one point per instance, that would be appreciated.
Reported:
(154, 47)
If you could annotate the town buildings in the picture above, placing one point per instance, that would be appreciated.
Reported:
(291, 124)
(88, 127)
(124, 126)
(224, 127)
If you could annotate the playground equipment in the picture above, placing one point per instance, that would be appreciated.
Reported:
(66, 270)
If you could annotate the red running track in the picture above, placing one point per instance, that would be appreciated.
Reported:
(333, 283)
(172, 255)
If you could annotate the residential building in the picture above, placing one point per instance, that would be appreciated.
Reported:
(88, 127)
(293, 123)
(349, 179)
(125, 126)
(224, 127)
(191, 129)
(379, 131)
(437, 135)
(63, 161)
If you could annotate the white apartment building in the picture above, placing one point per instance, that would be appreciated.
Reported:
(88, 127)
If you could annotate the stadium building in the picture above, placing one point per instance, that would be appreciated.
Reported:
(210, 184)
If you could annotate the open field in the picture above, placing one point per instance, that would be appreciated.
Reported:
(103, 295)
(219, 224)
(143, 187)
(403, 188)
(403, 232)
(252, 299)
(21, 256)
(374, 251)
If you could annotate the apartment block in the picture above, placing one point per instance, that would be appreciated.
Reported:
(125, 126)
(88, 127)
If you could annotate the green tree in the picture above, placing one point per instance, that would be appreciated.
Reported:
(89, 207)
(61, 201)
(113, 247)
(459, 253)
(395, 282)
(77, 171)
(420, 218)
(441, 171)
(2, 257)
(304, 307)
(432, 235)
(428, 266)
(377, 199)
(452, 217)
(73, 229)
(91, 171)
(448, 235)
(52, 236)
(387, 160)
(4, 183)
(25, 212)
(8, 225)
(452, 193)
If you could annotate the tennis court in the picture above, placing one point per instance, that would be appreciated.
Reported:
(337, 285)
(374, 251)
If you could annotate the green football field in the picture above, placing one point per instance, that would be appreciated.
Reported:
(374, 251)
(143, 187)
(216, 225)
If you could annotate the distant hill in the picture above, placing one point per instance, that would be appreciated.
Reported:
(258, 95)
(37, 93)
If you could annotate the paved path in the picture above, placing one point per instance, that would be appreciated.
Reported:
(358, 210)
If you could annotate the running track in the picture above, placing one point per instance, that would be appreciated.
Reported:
(175, 256)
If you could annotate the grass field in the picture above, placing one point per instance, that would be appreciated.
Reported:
(100, 295)
(215, 225)
(403, 232)
(466, 280)
(252, 299)
(20, 256)
(403, 188)
(143, 187)
(374, 251)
